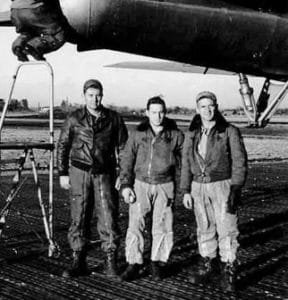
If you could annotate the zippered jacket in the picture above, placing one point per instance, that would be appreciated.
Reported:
(90, 143)
(226, 157)
(151, 158)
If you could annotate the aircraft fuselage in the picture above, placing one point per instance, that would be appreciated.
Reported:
(209, 33)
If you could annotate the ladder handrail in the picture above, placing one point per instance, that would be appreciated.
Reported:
(51, 102)
(51, 136)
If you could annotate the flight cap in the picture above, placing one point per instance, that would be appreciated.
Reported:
(206, 94)
(92, 83)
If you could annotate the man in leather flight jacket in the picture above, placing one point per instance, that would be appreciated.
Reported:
(87, 151)
(214, 169)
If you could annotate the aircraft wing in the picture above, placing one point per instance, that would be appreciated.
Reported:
(5, 13)
(169, 66)
(5, 18)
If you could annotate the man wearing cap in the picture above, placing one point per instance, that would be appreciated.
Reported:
(89, 143)
(214, 169)
(148, 169)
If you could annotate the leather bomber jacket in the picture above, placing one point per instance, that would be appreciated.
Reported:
(89, 143)
(226, 156)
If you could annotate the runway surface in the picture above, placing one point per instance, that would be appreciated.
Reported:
(27, 273)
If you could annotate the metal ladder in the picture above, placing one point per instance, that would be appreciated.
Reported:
(53, 248)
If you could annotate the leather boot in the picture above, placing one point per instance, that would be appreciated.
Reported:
(29, 50)
(110, 268)
(228, 281)
(18, 51)
(78, 266)
(131, 272)
(156, 271)
(207, 268)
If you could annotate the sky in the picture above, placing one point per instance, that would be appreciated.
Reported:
(4, 5)
(122, 87)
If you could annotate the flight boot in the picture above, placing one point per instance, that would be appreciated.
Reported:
(208, 267)
(110, 267)
(228, 280)
(156, 271)
(131, 273)
(18, 46)
(30, 50)
(45, 43)
(78, 266)
(18, 51)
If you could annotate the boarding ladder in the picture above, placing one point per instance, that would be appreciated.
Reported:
(27, 148)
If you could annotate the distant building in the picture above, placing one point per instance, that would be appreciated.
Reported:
(44, 109)
(57, 112)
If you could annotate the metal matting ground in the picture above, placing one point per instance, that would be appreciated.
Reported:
(26, 272)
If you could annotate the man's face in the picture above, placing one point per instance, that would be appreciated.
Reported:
(206, 108)
(155, 114)
(93, 98)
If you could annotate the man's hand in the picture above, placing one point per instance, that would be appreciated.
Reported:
(65, 182)
(118, 184)
(188, 201)
(234, 199)
(128, 195)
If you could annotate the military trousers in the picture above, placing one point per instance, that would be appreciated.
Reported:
(216, 229)
(157, 198)
(93, 194)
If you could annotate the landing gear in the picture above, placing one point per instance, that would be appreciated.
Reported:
(259, 113)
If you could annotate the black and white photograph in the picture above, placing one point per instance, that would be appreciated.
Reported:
(143, 149)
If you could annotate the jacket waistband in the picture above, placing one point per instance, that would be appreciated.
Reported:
(206, 178)
(88, 168)
(155, 179)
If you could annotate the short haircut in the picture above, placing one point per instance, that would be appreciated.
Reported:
(156, 100)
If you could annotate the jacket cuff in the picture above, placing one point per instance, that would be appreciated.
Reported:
(125, 185)
(186, 191)
(63, 173)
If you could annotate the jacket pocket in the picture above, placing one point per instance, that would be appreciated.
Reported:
(80, 152)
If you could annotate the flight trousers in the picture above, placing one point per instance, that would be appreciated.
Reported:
(157, 198)
(93, 194)
(216, 229)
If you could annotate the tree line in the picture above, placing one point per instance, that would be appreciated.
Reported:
(15, 105)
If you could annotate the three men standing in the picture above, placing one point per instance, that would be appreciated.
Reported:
(148, 167)
(88, 145)
(214, 168)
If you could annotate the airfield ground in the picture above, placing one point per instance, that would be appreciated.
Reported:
(28, 273)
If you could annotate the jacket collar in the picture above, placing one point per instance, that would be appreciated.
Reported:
(86, 114)
(168, 124)
(220, 126)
